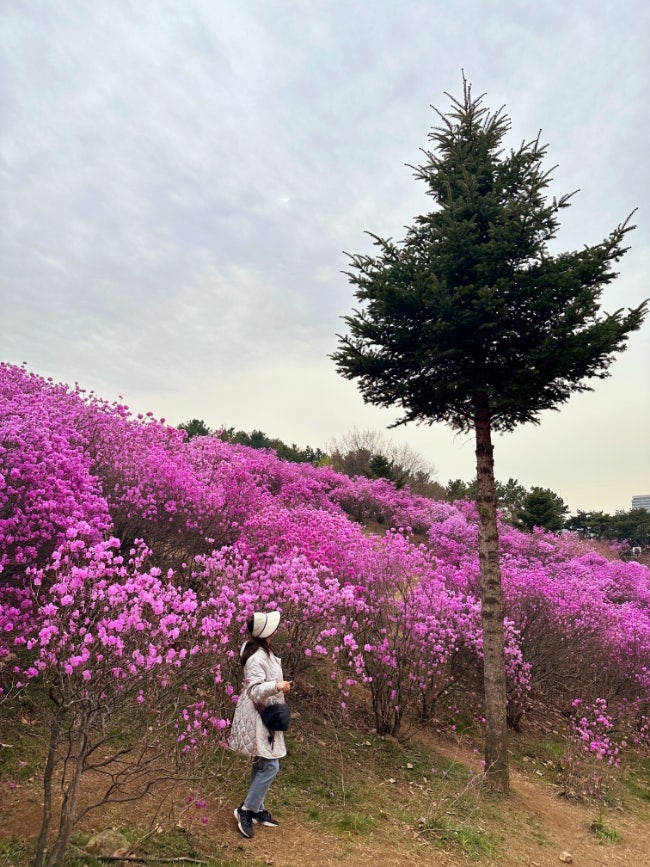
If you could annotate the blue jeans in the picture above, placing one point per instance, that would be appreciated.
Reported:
(263, 773)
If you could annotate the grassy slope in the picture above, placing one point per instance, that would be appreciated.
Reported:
(348, 796)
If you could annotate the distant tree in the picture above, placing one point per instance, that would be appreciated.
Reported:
(195, 428)
(457, 489)
(293, 453)
(227, 434)
(578, 523)
(351, 454)
(421, 482)
(510, 495)
(542, 508)
(313, 456)
(472, 322)
(632, 527)
(381, 468)
(257, 439)
(355, 451)
(589, 525)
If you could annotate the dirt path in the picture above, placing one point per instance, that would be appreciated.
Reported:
(551, 825)
(546, 824)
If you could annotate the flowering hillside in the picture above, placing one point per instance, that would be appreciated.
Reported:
(131, 557)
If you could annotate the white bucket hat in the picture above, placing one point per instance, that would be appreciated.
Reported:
(265, 624)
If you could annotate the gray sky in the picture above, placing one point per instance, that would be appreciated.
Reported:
(178, 181)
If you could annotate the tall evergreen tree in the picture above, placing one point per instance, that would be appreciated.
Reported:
(470, 321)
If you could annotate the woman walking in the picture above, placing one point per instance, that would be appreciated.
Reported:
(263, 685)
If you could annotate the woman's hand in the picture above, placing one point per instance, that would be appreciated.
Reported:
(284, 686)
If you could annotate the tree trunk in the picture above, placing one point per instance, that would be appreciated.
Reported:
(68, 816)
(494, 671)
(48, 775)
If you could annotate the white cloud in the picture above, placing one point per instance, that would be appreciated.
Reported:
(178, 183)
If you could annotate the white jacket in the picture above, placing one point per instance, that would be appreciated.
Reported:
(248, 734)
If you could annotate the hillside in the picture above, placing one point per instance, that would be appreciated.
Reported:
(131, 558)
(347, 796)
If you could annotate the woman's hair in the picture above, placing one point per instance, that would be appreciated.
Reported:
(253, 644)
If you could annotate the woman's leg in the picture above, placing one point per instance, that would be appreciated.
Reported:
(263, 773)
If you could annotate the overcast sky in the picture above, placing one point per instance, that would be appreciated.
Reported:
(179, 180)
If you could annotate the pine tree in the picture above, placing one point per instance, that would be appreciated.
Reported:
(381, 468)
(542, 508)
(470, 321)
(196, 427)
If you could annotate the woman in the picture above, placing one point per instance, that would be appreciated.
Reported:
(263, 685)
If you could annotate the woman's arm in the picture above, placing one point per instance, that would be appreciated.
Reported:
(259, 688)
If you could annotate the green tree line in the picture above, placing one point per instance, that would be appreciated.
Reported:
(256, 439)
(632, 526)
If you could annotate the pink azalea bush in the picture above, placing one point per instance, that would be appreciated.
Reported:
(591, 751)
(46, 483)
(131, 557)
(69, 459)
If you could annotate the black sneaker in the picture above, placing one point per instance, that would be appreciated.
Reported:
(244, 821)
(265, 818)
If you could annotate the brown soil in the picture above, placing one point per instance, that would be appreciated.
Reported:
(548, 826)
(551, 825)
